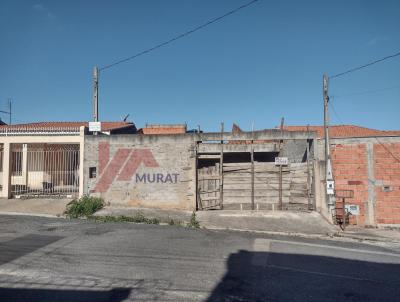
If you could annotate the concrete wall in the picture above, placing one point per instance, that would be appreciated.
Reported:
(371, 168)
(142, 171)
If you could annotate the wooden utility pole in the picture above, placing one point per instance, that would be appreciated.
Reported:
(95, 94)
(280, 166)
(252, 167)
(308, 171)
(221, 170)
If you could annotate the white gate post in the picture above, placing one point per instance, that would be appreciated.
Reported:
(25, 164)
(6, 192)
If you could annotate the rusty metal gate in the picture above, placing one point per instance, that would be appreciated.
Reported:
(44, 170)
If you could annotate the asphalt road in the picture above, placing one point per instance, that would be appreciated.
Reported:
(46, 259)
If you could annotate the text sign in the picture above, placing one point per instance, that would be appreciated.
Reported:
(281, 161)
(94, 126)
(353, 209)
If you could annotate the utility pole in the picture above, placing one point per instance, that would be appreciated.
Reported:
(280, 166)
(95, 94)
(330, 186)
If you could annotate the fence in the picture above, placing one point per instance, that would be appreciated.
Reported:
(43, 171)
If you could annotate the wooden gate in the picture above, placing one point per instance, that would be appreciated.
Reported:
(208, 188)
(244, 187)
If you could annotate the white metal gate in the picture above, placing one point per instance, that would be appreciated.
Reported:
(43, 170)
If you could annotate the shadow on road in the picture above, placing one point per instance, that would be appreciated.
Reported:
(52, 295)
(266, 276)
(24, 245)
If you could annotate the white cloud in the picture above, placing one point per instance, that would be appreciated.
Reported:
(39, 7)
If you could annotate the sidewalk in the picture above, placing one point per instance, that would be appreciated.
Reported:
(304, 224)
(34, 207)
(287, 222)
(371, 234)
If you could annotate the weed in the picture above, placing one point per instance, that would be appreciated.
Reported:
(137, 218)
(174, 222)
(193, 223)
(83, 207)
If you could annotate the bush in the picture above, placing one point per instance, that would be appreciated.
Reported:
(84, 207)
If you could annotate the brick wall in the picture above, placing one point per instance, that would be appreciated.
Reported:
(142, 171)
(376, 183)
(164, 129)
(350, 172)
(387, 175)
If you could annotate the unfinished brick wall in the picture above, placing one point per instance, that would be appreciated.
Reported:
(350, 172)
(164, 129)
(387, 189)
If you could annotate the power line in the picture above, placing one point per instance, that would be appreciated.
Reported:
(185, 34)
(366, 92)
(383, 145)
(363, 66)
(387, 149)
(335, 112)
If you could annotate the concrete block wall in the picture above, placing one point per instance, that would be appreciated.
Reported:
(142, 171)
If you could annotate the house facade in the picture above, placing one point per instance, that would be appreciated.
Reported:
(168, 167)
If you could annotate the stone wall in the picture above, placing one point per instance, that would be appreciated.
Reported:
(141, 171)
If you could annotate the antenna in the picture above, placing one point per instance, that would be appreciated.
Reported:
(126, 117)
(9, 110)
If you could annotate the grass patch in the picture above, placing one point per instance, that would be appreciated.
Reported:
(137, 218)
(193, 223)
(84, 207)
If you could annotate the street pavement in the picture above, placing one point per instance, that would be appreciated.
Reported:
(55, 259)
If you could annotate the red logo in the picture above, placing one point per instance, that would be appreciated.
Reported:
(122, 166)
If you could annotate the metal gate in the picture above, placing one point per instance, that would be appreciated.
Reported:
(43, 170)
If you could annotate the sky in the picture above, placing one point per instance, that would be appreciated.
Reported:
(251, 68)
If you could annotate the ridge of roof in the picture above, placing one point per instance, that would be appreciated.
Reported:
(69, 125)
(344, 131)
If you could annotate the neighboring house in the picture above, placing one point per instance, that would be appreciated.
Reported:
(366, 161)
(45, 158)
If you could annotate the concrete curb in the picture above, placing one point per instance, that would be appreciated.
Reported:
(32, 214)
(333, 236)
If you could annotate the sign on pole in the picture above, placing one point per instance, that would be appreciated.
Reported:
(281, 161)
(95, 126)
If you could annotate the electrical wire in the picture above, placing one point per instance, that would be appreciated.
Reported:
(363, 66)
(180, 36)
(387, 149)
(383, 145)
(366, 92)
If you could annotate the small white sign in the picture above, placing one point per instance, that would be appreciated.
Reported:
(330, 187)
(281, 161)
(94, 126)
(353, 209)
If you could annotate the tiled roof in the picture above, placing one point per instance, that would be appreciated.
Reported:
(63, 126)
(344, 131)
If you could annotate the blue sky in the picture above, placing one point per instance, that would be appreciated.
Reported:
(255, 66)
